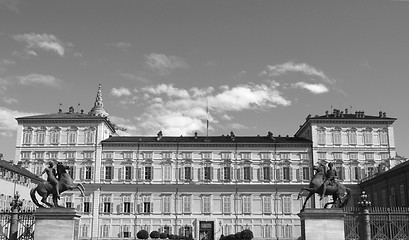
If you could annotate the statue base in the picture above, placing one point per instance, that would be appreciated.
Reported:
(56, 223)
(322, 224)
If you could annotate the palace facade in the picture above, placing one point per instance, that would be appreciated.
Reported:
(198, 186)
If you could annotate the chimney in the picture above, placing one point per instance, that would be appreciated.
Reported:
(384, 114)
(232, 136)
(269, 134)
(342, 114)
(326, 113)
(346, 110)
(195, 135)
(159, 136)
(356, 114)
(60, 110)
(71, 109)
(363, 114)
(380, 114)
(82, 111)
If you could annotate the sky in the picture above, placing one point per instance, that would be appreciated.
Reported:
(247, 66)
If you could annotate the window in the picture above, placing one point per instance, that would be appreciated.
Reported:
(384, 156)
(166, 155)
(306, 173)
(267, 231)
(86, 204)
(368, 137)
(353, 156)
(54, 137)
(207, 173)
(147, 155)
(206, 203)
(40, 137)
(72, 137)
(226, 156)
(321, 137)
(108, 172)
(146, 199)
(39, 155)
(322, 156)
(167, 172)
(186, 204)
(287, 231)
(286, 173)
(53, 155)
(285, 156)
(186, 231)
(369, 156)
(369, 171)
(265, 156)
(105, 231)
(128, 155)
(246, 156)
(126, 204)
(128, 172)
(206, 155)
(106, 204)
(304, 156)
(107, 155)
(70, 155)
(148, 173)
(84, 230)
(226, 201)
(125, 232)
(25, 155)
(266, 173)
(68, 201)
(186, 155)
(352, 137)
(88, 155)
(166, 204)
(356, 173)
(226, 173)
(383, 137)
(89, 136)
(88, 173)
(266, 204)
(188, 173)
(336, 137)
(247, 173)
(337, 156)
(246, 204)
(287, 204)
(27, 136)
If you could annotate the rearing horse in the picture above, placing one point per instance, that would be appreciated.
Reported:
(340, 193)
(65, 182)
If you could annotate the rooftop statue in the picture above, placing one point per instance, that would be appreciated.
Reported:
(56, 183)
(323, 183)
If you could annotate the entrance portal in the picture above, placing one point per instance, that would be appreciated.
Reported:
(206, 230)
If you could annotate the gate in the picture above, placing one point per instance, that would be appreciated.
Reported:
(390, 223)
(25, 225)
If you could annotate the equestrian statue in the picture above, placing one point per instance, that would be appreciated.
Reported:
(57, 182)
(323, 183)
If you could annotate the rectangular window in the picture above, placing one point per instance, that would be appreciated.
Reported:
(266, 204)
(186, 155)
(40, 137)
(337, 156)
(352, 138)
(246, 156)
(321, 138)
(304, 156)
(287, 231)
(72, 137)
(126, 201)
(70, 155)
(369, 156)
(84, 230)
(54, 137)
(68, 201)
(287, 204)
(107, 155)
(187, 204)
(27, 137)
(167, 171)
(226, 204)
(267, 231)
(246, 204)
(166, 155)
(86, 208)
(265, 156)
(207, 173)
(353, 156)
(105, 231)
(88, 172)
(206, 155)
(206, 204)
(106, 204)
(88, 155)
(322, 156)
(286, 173)
(128, 172)
(188, 173)
(108, 172)
(226, 172)
(367, 137)
(89, 137)
(148, 173)
(128, 155)
(39, 155)
(384, 156)
(53, 155)
(146, 204)
(147, 155)
(247, 173)
(336, 138)
(284, 156)
(225, 156)
(25, 155)
(306, 173)
(266, 173)
(383, 137)
(166, 203)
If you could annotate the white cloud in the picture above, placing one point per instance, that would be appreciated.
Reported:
(8, 123)
(123, 46)
(33, 79)
(280, 69)
(168, 90)
(317, 88)
(47, 42)
(119, 92)
(163, 64)
(134, 77)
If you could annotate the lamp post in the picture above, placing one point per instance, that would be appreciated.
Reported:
(15, 204)
(364, 204)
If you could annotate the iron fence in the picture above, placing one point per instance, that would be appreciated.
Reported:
(25, 225)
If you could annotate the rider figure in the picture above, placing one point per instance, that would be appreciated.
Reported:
(52, 177)
(329, 178)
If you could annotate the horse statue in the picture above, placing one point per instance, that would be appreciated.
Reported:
(46, 188)
(340, 193)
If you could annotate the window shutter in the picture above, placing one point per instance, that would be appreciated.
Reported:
(120, 173)
(199, 174)
(290, 169)
(222, 173)
(101, 207)
(298, 174)
(261, 170)
(132, 207)
(123, 172)
(238, 175)
(138, 173)
(362, 174)
(119, 208)
(251, 173)
(231, 173)
(82, 175)
(151, 207)
(132, 173)
(90, 207)
(152, 173)
(219, 175)
(111, 207)
(343, 173)
(78, 208)
(278, 175)
(92, 172)
(182, 173)
(211, 173)
(142, 173)
(102, 172)
(271, 173)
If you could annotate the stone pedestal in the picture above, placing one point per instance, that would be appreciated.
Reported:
(322, 224)
(56, 223)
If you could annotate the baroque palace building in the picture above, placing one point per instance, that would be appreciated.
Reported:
(198, 186)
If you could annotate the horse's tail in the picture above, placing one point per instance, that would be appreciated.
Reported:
(33, 196)
(345, 199)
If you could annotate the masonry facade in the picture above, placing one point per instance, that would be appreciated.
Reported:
(197, 186)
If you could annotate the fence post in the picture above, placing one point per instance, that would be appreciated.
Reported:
(364, 204)
(15, 208)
